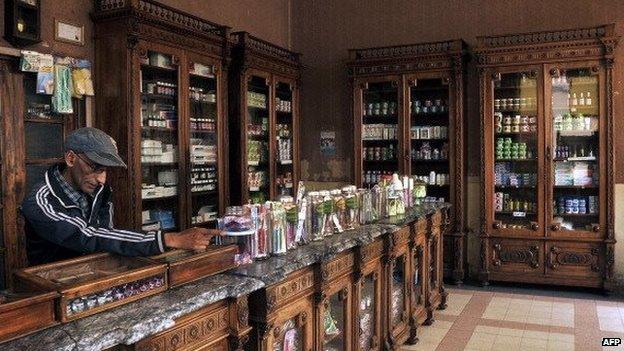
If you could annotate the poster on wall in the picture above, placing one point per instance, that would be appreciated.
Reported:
(328, 143)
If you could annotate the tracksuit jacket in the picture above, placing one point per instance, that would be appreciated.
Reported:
(56, 229)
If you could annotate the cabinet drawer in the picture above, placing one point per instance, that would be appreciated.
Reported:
(516, 256)
(574, 259)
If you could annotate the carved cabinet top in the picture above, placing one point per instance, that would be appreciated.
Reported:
(581, 43)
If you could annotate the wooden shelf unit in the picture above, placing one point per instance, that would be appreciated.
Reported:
(410, 74)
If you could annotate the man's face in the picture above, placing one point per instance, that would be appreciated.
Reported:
(85, 175)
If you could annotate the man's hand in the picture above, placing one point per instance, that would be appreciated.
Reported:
(190, 239)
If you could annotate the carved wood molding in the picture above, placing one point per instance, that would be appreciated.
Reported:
(371, 251)
(566, 257)
(542, 37)
(281, 292)
(155, 12)
(528, 255)
(196, 331)
(411, 50)
(260, 46)
(545, 46)
(154, 33)
(609, 262)
(337, 267)
(242, 311)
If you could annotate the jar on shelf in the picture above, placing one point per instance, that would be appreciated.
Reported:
(292, 218)
(317, 216)
(351, 202)
(339, 212)
(365, 202)
(278, 229)
(328, 210)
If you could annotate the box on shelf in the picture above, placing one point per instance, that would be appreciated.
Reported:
(187, 266)
(31, 310)
(94, 283)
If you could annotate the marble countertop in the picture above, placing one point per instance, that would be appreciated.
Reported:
(275, 269)
(137, 320)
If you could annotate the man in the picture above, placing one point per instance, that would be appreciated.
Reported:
(70, 213)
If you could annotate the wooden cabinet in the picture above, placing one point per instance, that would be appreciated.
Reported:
(367, 297)
(334, 298)
(408, 118)
(220, 326)
(418, 282)
(397, 289)
(546, 157)
(161, 95)
(264, 120)
(32, 141)
(283, 313)
(436, 294)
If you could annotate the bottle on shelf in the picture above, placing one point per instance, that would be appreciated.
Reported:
(588, 100)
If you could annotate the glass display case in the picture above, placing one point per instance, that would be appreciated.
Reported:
(203, 174)
(408, 118)
(290, 337)
(166, 111)
(397, 292)
(284, 134)
(547, 161)
(258, 137)
(516, 151)
(575, 150)
(160, 188)
(334, 323)
(380, 135)
(368, 314)
(429, 135)
(264, 120)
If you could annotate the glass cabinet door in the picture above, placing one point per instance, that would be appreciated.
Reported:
(367, 309)
(284, 138)
(334, 322)
(258, 136)
(380, 131)
(516, 198)
(203, 144)
(418, 291)
(575, 150)
(429, 135)
(290, 337)
(159, 142)
(397, 291)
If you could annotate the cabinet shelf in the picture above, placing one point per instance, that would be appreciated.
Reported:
(159, 96)
(205, 193)
(158, 129)
(430, 115)
(381, 161)
(168, 70)
(528, 113)
(576, 215)
(511, 213)
(577, 133)
(575, 187)
(575, 159)
(203, 131)
(514, 186)
(516, 160)
(160, 198)
(515, 133)
(419, 160)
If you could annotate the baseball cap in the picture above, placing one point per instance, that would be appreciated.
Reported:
(98, 146)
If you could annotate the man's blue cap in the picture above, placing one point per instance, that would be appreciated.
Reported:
(98, 146)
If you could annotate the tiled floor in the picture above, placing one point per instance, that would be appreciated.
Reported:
(496, 319)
